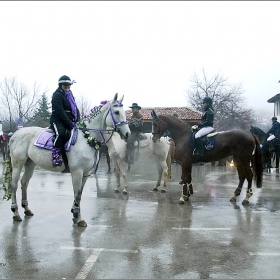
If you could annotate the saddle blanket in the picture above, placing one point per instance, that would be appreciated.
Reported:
(45, 140)
(208, 140)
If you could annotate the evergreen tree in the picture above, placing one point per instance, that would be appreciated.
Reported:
(42, 114)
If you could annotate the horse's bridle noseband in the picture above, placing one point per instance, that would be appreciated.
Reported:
(159, 133)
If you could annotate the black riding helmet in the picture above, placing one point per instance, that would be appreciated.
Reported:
(274, 119)
(208, 100)
(64, 80)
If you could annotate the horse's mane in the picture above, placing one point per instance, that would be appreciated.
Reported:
(184, 127)
(256, 129)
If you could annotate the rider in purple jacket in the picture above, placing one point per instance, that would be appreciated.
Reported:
(65, 114)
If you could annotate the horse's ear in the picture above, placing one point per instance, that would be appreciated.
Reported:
(154, 115)
(121, 100)
(115, 97)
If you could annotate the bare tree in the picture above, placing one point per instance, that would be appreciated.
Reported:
(83, 104)
(18, 101)
(228, 100)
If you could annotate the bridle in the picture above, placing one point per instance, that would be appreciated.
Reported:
(116, 124)
(159, 133)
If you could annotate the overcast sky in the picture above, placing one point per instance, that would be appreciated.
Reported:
(146, 51)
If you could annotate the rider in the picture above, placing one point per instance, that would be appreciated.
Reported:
(273, 133)
(205, 126)
(65, 114)
(136, 127)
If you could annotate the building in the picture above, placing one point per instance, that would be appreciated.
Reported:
(185, 114)
(276, 100)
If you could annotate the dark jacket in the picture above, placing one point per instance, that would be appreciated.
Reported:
(136, 122)
(207, 118)
(61, 110)
(275, 129)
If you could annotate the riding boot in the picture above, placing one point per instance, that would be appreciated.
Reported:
(271, 147)
(56, 157)
(65, 159)
(199, 150)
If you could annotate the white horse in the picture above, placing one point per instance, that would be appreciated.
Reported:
(148, 149)
(81, 157)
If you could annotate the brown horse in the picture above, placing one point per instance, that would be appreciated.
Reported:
(242, 145)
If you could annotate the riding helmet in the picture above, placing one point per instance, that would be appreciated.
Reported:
(64, 80)
(208, 100)
(274, 119)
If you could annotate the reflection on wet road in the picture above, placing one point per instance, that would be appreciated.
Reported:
(144, 234)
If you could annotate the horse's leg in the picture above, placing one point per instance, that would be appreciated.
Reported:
(14, 185)
(249, 177)
(187, 188)
(108, 162)
(277, 152)
(78, 180)
(28, 172)
(122, 166)
(118, 175)
(159, 168)
(242, 177)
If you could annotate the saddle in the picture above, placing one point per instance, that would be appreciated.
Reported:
(45, 139)
(276, 141)
(208, 140)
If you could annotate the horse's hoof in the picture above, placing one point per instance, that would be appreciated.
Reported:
(116, 191)
(233, 199)
(17, 218)
(186, 198)
(181, 202)
(124, 192)
(155, 189)
(163, 191)
(181, 182)
(245, 202)
(28, 213)
(82, 224)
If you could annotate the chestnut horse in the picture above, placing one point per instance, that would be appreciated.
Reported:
(242, 145)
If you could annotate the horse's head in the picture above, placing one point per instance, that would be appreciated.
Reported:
(158, 127)
(116, 117)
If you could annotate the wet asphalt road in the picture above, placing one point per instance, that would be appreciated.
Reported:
(144, 234)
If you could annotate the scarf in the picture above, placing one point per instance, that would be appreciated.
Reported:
(70, 98)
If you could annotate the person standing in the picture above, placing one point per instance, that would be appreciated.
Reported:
(65, 114)
(136, 127)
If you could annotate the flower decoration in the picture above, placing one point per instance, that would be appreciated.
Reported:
(7, 177)
(82, 124)
(91, 141)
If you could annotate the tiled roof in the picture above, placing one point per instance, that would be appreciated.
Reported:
(184, 113)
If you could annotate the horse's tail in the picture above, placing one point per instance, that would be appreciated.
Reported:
(257, 163)
(168, 161)
(7, 177)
